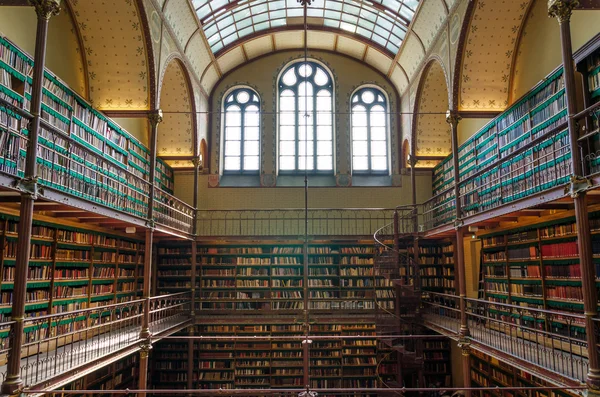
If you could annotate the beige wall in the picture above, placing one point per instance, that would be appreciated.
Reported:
(287, 197)
(138, 127)
(539, 51)
(468, 127)
(63, 57)
(262, 74)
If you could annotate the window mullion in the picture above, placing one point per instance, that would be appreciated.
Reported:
(368, 109)
(242, 138)
(314, 123)
(297, 125)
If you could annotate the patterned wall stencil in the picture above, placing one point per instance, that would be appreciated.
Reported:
(175, 132)
(488, 54)
(113, 38)
(433, 133)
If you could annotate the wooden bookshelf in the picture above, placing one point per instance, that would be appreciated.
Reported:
(436, 264)
(88, 136)
(270, 277)
(70, 268)
(536, 265)
(437, 369)
(486, 371)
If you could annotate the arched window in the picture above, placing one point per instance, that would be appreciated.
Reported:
(305, 141)
(369, 131)
(241, 128)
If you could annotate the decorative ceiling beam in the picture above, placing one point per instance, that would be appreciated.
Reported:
(473, 114)
(128, 114)
(588, 5)
(15, 3)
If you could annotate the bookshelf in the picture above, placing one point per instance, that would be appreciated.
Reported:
(536, 265)
(270, 277)
(487, 371)
(589, 67)
(529, 118)
(437, 370)
(270, 364)
(92, 156)
(120, 375)
(436, 264)
(70, 268)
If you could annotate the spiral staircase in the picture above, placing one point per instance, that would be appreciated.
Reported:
(393, 262)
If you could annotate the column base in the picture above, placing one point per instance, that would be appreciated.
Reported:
(12, 386)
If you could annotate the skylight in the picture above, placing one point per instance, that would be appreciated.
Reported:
(383, 22)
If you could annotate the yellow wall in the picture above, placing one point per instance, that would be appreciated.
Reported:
(138, 127)
(63, 57)
(468, 127)
(539, 51)
(261, 74)
(288, 197)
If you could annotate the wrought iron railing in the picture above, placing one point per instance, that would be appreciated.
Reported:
(58, 343)
(68, 166)
(171, 211)
(552, 341)
(291, 222)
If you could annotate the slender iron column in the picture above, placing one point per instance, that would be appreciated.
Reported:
(412, 161)
(29, 188)
(561, 10)
(190, 360)
(145, 342)
(453, 118)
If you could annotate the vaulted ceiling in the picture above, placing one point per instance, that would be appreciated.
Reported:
(115, 53)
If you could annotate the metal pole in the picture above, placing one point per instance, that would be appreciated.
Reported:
(562, 9)
(28, 186)
(145, 335)
(453, 118)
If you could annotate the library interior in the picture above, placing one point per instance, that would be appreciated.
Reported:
(314, 198)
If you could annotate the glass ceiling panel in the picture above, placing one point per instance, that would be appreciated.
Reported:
(383, 22)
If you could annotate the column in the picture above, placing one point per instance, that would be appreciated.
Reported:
(28, 186)
(190, 360)
(412, 161)
(466, 364)
(453, 118)
(561, 10)
(145, 335)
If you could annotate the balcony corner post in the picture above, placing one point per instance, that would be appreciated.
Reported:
(145, 347)
(452, 118)
(465, 346)
(155, 118)
(562, 10)
(13, 382)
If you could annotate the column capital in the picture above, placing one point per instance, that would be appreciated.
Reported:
(562, 9)
(155, 117)
(412, 160)
(197, 161)
(452, 118)
(46, 8)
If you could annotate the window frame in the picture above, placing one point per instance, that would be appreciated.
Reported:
(386, 105)
(295, 88)
(233, 92)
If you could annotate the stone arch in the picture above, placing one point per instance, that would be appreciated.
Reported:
(431, 134)
(119, 66)
(177, 133)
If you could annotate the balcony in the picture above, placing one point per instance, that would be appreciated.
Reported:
(59, 347)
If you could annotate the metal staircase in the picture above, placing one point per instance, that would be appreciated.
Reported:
(393, 262)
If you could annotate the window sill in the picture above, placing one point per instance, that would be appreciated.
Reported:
(313, 180)
(239, 181)
(371, 180)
